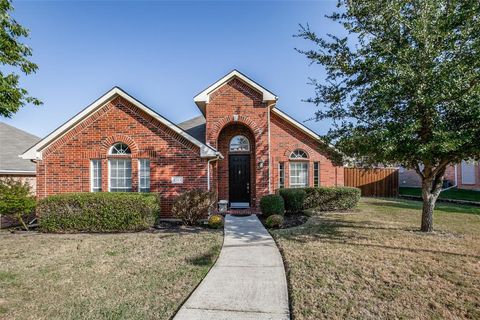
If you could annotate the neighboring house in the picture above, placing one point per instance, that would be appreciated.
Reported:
(465, 175)
(14, 142)
(241, 146)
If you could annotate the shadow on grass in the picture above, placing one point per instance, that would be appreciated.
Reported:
(417, 205)
(335, 230)
(205, 259)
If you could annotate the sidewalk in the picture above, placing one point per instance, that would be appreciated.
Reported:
(248, 280)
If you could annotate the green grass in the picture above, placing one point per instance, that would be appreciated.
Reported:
(454, 193)
(102, 276)
(373, 263)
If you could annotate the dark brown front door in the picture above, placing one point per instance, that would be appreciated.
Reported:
(239, 178)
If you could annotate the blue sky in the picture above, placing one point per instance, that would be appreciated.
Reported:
(164, 53)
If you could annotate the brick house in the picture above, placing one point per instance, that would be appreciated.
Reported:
(14, 141)
(241, 146)
(465, 175)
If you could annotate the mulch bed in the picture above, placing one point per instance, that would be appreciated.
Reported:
(290, 220)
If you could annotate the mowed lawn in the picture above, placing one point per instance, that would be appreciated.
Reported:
(373, 263)
(102, 276)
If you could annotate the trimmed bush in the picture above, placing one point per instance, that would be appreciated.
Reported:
(193, 205)
(331, 198)
(274, 221)
(272, 204)
(215, 221)
(294, 198)
(98, 212)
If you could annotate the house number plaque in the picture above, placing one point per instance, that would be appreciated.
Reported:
(177, 180)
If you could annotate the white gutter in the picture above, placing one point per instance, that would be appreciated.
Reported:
(17, 172)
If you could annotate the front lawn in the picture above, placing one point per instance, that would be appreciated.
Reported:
(454, 193)
(102, 276)
(373, 263)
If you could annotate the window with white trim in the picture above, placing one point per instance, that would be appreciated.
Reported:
(120, 175)
(298, 174)
(316, 174)
(120, 148)
(468, 172)
(143, 175)
(281, 175)
(95, 175)
(298, 154)
(239, 143)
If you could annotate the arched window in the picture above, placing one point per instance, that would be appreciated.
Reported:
(120, 169)
(239, 143)
(298, 154)
(120, 148)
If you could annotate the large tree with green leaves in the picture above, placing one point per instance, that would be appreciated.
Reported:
(13, 56)
(403, 87)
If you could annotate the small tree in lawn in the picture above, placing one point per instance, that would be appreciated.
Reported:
(403, 87)
(16, 199)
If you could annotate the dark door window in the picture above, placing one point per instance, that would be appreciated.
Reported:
(239, 177)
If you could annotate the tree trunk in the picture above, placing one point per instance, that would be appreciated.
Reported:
(431, 188)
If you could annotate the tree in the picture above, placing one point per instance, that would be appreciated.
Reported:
(13, 55)
(403, 87)
(16, 199)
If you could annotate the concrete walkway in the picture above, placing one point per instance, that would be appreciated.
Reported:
(247, 281)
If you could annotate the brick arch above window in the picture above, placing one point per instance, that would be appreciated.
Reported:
(219, 125)
(110, 141)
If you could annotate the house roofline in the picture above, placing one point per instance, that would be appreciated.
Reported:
(35, 152)
(303, 128)
(203, 97)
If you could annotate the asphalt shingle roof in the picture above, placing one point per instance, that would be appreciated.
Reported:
(195, 127)
(14, 142)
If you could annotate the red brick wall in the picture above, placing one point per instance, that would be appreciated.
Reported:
(66, 163)
(285, 138)
(236, 104)
(234, 109)
(476, 185)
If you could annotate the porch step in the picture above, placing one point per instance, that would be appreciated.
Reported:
(241, 212)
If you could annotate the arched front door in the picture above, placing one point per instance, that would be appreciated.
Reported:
(239, 172)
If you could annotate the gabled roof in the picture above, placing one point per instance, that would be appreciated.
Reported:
(203, 97)
(35, 152)
(14, 141)
(302, 127)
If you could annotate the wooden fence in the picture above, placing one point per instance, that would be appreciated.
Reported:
(378, 182)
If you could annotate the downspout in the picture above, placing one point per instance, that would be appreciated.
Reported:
(456, 181)
(269, 157)
(208, 171)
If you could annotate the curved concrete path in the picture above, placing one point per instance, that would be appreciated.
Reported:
(247, 281)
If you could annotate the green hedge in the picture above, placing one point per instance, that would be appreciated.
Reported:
(331, 198)
(98, 212)
(294, 199)
(272, 204)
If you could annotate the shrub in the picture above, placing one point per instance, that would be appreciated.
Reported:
(274, 221)
(294, 198)
(215, 221)
(331, 198)
(193, 205)
(98, 212)
(272, 204)
(16, 199)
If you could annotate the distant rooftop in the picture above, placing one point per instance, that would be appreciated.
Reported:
(13, 142)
